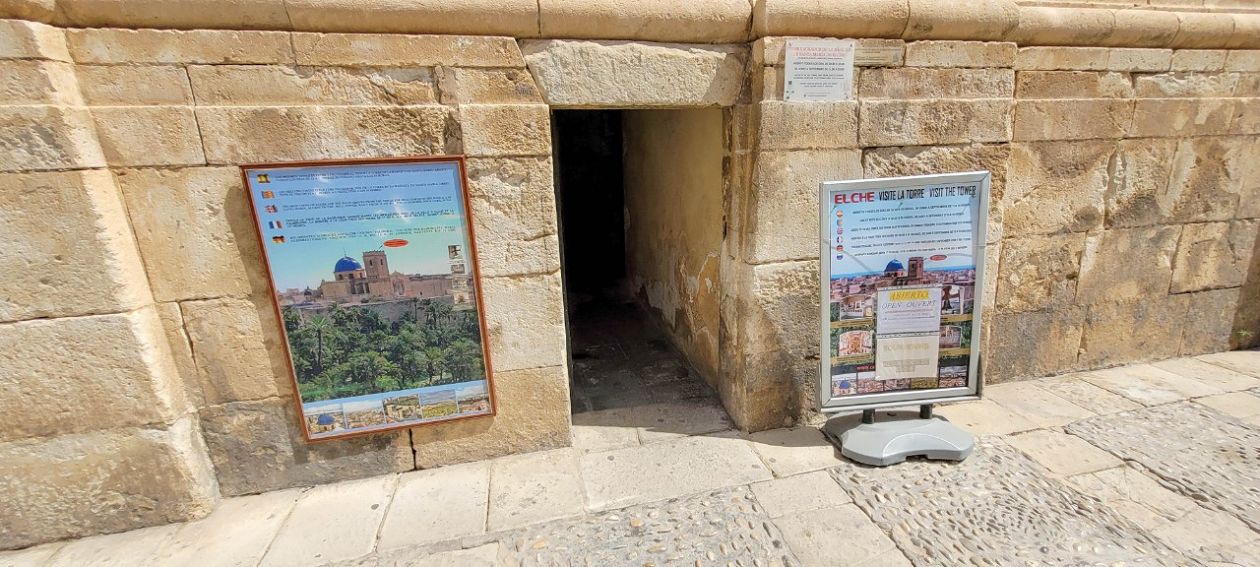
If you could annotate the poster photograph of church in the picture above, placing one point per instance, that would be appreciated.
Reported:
(374, 273)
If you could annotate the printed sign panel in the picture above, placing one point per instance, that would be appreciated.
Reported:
(374, 270)
(818, 70)
(902, 266)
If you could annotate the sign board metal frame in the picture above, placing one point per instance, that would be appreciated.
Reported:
(834, 404)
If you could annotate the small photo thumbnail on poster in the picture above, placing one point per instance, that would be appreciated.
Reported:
(843, 384)
(955, 335)
(402, 408)
(457, 268)
(958, 298)
(365, 413)
(325, 419)
(953, 371)
(473, 399)
(455, 251)
(870, 386)
(438, 404)
(923, 383)
(856, 305)
(852, 339)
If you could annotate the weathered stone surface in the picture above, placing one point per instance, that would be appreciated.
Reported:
(1135, 496)
(1166, 85)
(438, 504)
(1055, 187)
(40, 138)
(499, 86)
(114, 549)
(534, 488)
(269, 85)
(1062, 58)
(228, 340)
(1206, 177)
(1063, 454)
(1077, 390)
(194, 231)
(704, 21)
(505, 129)
(257, 446)
(76, 239)
(808, 125)
(31, 40)
(140, 85)
(131, 47)
(924, 160)
(1139, 60)
(985, 19)
(361, 506)
(1146, 327)
(1149, 385)
(234, 135)
(532, 408)
(38, 82)
(960, 54)
(1145, 255)
(134, 136)
(1137, 194)
(1072, 84)
(172, 320)
(405, 50)
(1213, 255)
(84, 373)
(621, 74)
(926, 122)
(913, 82)
(105, 481)
(1039, 273)
(1075, 119)
(514, 212)
(1031, 401)
(1209, 320)
(525, 319)
(795, 450)
(1248, 85)
(1246, 61)
(1195, 370)
(238, 532)
(1182, 117)
(1240, 405)
(1033, 344)
(786, 189)
(1198, 60)
(800, 493)
(812, 535)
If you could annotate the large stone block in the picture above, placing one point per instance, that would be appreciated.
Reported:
(132, 47)
(620, 74)
(1063, 58)
(78, 374)
(914, 82)
(1243, 61)
(31, 40)
(1075, 119)
(498, 86)
(532, 408)
(69, 232)
(1056, 187)
(514, 214)
(981, 19)
(270, 85)
(1072, 84)
(38, 82)
(1209, 320)
(141, 85)
(808, 125)
(257, 446)
(1249, 177)
(927, 122)
(172, 320)
(227, 338)
(42, 138)
(1146, 327)
(235, 135)
(1165, 85)
(781, 313)
(1127, 264)
(505, 129)
(1213, 255)
(1177, 117)
(1041, 343)
(371, 49)
(702, 21)
(1202, 60)
(525, 319)
(960, 54)
(106, 481)
(517, 18)
(1206, 178)
(1246, 119)
(1139, 60)
(1137, 194)
(133, 136)
(785, 191)
(1039, 273)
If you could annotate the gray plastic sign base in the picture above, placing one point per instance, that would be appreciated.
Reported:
(890, 442)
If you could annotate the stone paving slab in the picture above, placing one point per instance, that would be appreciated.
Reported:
(237, 533)
(332, 522)
(1037, 404)
(1194, 451)
(534, 487)
(126, 549)
(435, 505)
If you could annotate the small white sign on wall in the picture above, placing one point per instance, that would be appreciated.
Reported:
(818, 70)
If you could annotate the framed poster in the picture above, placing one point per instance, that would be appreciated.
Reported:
(373, 266)
(902, 271)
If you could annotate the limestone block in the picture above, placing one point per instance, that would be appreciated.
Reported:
(1166, 85)
(785, 184)
(1176, 117)
(78, 374)
(234, 135)
(506, 129)
(1246, 119)
(766, 83)
(1056, 187)
(1206, 177)
(33, 10)
(405, 50)
(1139, 60)
(257, 446)
(1243, 61)
(1038, 343)
(960, 54)
(1209, 322)
(41, 138)
(1249, 175)
(916, 82)
(141, 85)
(1213, 255)
(38, 82)
(635, 74)
(1143, 28)
(1248, 85)
(266, 85)
(870, 52)
(1202, 60)
(525, 319)
(702, 21)
(1063, 59)
(30, 40)
(511, 86)
(1144, 327)
(228, 338)
(1072, 119)
(194, 231)
(927, 122)
(70, 233)
(1039, 273)
(186, 14)
(132, 47)
(1057, 26)
(782, 310)
(808, 125)
(517, 18)
(1202, 30)
(1072, 84)
(172, 320)
(1137, 194)
(979, 19)
(514, 215)
(824, 18)
(105, 481)
(1127, 265)
(150, 135)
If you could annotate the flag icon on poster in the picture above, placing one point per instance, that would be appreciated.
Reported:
(263, 178)
(275, 224)
(278, 239)
(269, 194)
(272, 209)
